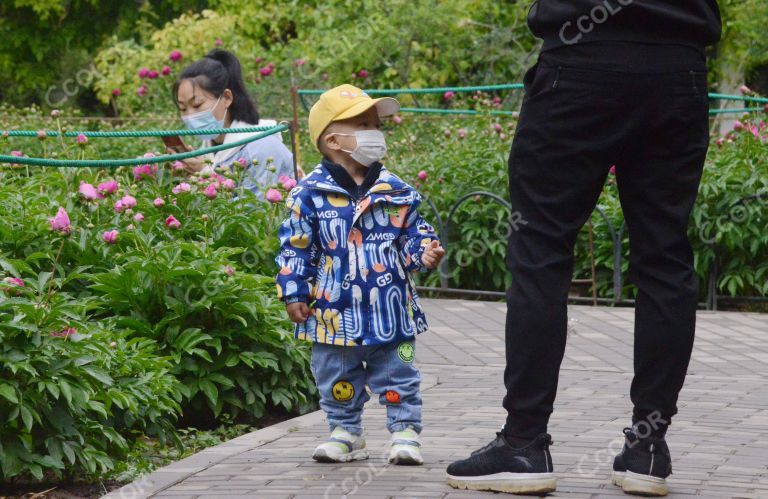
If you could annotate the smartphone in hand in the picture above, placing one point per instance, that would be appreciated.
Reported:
(174, 142)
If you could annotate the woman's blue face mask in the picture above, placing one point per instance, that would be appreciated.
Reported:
(204, 120)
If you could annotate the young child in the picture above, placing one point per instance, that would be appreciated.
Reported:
(352, 237)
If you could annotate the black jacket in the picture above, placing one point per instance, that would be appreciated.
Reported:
(695, 23)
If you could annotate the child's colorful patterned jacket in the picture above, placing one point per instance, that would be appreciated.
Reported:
(351, 261)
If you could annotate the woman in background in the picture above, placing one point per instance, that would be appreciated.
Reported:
(210, 94)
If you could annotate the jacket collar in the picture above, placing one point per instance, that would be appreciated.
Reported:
(387, 183)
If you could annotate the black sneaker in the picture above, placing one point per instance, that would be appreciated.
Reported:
(499, 467)
(643, 465)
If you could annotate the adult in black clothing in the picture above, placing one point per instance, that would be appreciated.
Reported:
(617, 82)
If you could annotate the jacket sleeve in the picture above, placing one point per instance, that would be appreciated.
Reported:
(417, 234)
(298, 249)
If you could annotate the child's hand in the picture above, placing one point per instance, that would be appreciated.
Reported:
(298, 311)
(432, 255)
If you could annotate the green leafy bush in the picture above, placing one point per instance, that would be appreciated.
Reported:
(182, 283)
(74, 393)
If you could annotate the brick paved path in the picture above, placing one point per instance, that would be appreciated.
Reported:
(719, 441)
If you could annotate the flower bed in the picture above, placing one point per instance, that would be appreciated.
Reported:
(130, 299)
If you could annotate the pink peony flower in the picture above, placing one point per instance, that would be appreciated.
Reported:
(266, 70)
(363, 73)
(299, 62)
(175, 56)
(42, 134)
(129, 201)
(218, 42)
(258, 60)
(116, 92)
(612, 171)
(166, 71)
(497, 127)
(182, 187)
(745, 90)
(64, 333)
(139, 217)
(110, 236)
(89, 192)
(141, 90)
(60, 222)
(172, 223)
(228, 184)
(282, 178)
(289, 184)
(274, 196)
(461, 133)
(108, 187)
(720, 141)
(153, 75)
(143, 172)
(16, 154)
(243, 163)
(158, 202)
(210, 192)
(229, 271)
(82, 139)
(15, 280)
(143, 72)
(397, 119)
(422, 175)
(738, 125)
(448, 95)
(447, 132)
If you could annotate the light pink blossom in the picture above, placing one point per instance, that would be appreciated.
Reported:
(108, 187)
(143, 172)
(274, 196)
(89, 193)
(158, 202)
(182, 187)
(422, 175)
(139, 217)
(172, 223)
(60, 222)
(289, 184)
(210, 192)
(110, 236)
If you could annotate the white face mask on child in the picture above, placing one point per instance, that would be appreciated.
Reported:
(371, 146)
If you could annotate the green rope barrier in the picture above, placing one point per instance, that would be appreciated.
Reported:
(761, 100)
(113, 163)
(133, 133)
(384, 91)
(743, 110)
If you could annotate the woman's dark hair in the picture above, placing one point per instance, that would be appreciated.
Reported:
(216, 72)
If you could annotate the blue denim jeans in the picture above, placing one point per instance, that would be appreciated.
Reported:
(341, 374)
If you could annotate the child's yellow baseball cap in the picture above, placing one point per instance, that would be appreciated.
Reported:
(342, 102)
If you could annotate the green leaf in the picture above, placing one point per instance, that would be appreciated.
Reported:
(8, 392)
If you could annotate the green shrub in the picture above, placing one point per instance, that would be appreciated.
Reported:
(75, 393)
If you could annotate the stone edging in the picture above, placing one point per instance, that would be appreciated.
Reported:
(168, 476)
